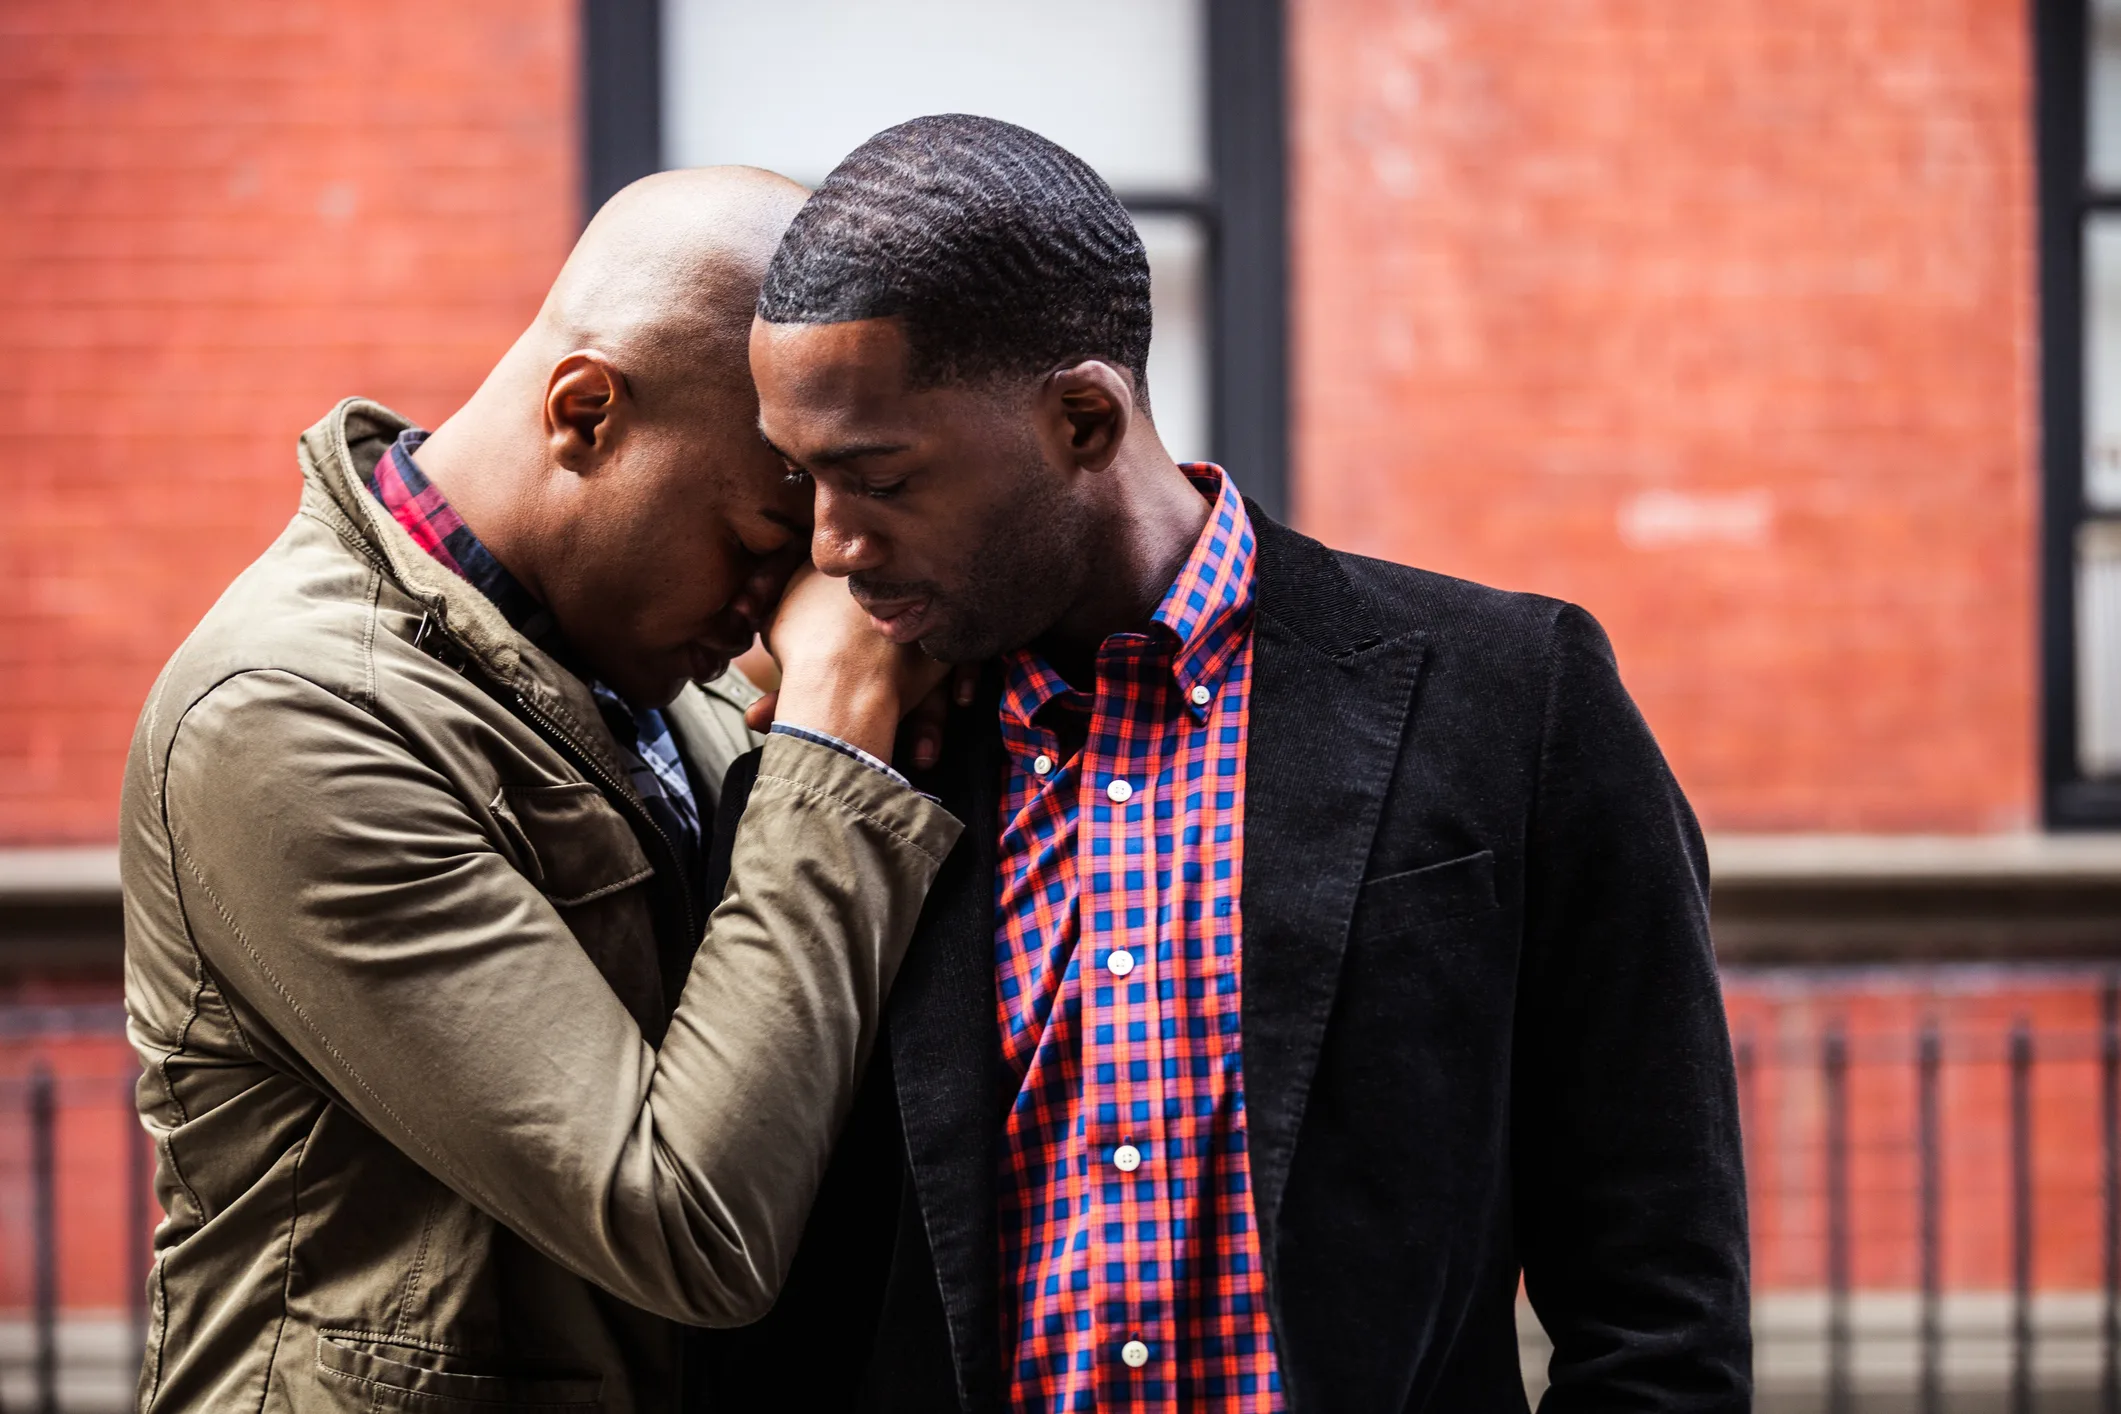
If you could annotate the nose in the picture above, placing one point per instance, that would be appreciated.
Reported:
(761, 590)
(840, 543)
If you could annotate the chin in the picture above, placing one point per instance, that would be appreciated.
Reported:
(959, 644)
(656, 693)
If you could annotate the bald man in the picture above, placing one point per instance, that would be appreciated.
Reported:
(453, 1106)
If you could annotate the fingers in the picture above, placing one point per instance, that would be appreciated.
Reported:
(927, 724)
(759, 715)
(924, 728)
(757, 665)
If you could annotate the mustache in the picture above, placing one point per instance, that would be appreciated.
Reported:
(866, 588)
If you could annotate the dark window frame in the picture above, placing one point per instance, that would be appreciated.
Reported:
(1244, 216)
(2061, 97)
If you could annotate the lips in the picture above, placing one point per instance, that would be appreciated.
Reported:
(899, 620)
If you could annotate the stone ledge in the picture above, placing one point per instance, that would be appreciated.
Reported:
(50, 875)
(1778, 900)
(1757, 861)
(1822, 899)
(59, 914)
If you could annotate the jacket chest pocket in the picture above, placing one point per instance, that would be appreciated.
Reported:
(1421, 898)
(362, 1370)
(575, 847)
(583, 856)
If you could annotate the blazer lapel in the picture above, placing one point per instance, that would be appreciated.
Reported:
(946, 1056)
(1331, 690)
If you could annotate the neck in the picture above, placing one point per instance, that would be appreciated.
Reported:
(1148, 530)
(489, 464)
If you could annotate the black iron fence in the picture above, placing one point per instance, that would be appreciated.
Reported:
(2042, 1205)
(76, 1210)
(73, 1156)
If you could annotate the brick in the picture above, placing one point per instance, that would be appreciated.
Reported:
(1716, 320)
(227, 216)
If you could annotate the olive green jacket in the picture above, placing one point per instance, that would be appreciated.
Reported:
(392, 968)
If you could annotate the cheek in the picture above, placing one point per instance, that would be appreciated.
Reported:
(677, 568)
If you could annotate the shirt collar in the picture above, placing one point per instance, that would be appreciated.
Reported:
(1201, 619)
(418, 504)
(1210, 601)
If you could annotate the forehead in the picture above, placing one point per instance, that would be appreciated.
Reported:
(828, 379)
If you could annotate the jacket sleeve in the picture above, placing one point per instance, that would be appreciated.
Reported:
(1630, 1182)
(335, 883)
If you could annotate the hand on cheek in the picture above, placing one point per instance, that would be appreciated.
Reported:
(838, 674)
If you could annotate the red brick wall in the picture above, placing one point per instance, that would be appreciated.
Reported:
(1712, 317)
(223, 216)
(1716, 318)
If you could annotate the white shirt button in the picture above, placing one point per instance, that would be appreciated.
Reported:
(1200, 696)
(1042, 765)
(1126, 1158)
(1135, 1354)
(1120, 963)
(1120, 792)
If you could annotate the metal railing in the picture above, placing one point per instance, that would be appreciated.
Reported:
(67, 1126)
(1924, 1054)
(38, 1096)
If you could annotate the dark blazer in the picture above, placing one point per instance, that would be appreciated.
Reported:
(1481, 1031)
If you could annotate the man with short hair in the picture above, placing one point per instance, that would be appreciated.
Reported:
(1331, 944)
(453, 1108)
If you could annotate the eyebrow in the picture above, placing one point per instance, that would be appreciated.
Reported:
(835, 456)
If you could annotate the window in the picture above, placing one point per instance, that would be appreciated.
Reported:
(1181, 112)
(2078, 45)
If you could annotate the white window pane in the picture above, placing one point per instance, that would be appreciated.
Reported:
(1178, 351)
(2099, 648)
(795, 85)
(2104, 139)
(2102, 363)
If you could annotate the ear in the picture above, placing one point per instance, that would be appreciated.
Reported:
(587, 406)
(1095, 402)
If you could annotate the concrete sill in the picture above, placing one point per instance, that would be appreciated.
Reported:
(1805, 899)
(86, 873)
(1777, 900)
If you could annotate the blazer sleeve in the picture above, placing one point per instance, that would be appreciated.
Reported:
(1630, 1187)
(332, 880)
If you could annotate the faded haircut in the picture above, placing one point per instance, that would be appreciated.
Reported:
(1001, 252)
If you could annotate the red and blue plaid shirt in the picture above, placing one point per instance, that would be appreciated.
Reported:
(1130, 1255)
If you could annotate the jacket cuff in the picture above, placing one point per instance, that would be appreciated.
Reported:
(888, 802)
(848, 748)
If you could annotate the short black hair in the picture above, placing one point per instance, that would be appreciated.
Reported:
(1001, 252)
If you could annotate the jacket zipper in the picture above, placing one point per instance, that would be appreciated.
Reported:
(588, 765)
(431, 626)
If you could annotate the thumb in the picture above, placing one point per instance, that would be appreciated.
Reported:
(759, 715)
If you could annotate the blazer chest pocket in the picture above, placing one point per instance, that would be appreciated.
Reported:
(576, 848)
(1421, 898)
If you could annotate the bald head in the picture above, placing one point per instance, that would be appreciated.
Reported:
(665, 278)
(612, 459)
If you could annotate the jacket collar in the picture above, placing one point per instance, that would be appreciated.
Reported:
(336, 455)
